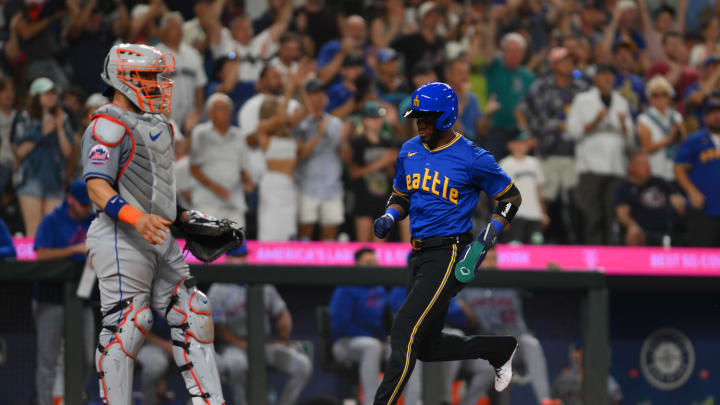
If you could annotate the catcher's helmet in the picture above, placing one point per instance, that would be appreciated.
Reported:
(435, 99)
(140, 73)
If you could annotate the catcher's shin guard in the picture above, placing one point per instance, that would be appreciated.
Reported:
(122, 335)
(192, 334)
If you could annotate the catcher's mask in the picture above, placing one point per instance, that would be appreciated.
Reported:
(140, 72)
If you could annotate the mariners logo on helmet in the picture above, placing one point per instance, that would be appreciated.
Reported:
(98, 155)
(435, 99)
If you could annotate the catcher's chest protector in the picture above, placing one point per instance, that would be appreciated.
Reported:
(148, 180)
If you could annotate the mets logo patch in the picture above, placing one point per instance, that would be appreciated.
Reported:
(98, 155)
(667, 359)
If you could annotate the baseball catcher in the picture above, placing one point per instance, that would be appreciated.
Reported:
(128, 161)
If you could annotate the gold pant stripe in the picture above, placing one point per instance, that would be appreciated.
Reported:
(417, 324)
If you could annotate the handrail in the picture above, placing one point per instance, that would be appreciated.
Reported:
(592, 284)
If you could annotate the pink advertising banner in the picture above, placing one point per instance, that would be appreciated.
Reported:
(608, 259)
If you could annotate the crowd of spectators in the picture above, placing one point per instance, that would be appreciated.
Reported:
(604, 113)
(290, 121)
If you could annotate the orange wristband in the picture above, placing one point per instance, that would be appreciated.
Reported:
(129, 214)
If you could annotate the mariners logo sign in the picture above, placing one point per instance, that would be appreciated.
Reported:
(667, 359)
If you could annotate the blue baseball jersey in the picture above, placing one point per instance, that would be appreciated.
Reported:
(444, 184)
(59, 230)
(358, 311)
(7, 248)
(700, 152)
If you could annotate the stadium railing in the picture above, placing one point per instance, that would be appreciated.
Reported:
(592, 285)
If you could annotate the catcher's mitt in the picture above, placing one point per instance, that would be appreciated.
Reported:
(208, 238)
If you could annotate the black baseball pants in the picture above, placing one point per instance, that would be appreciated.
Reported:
(417, 330)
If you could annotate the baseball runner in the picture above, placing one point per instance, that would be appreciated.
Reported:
(438, 179)
(128, 165)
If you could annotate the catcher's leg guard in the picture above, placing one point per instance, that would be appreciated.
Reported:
(122, 335)
(192, 334)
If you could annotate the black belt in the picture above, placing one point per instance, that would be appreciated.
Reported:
(427, 243)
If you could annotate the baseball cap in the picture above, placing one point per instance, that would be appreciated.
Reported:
(623, 5)
(96, 100)
(386, 55)
(712, 102)
(710, 60)
(426, 8)
(139, 10)
(372, 109)
(41, 85)
(558, 53)
(626, 43)
(314, 86)
(521, 136)
(353, 60)
(78, 189)
(604, 68)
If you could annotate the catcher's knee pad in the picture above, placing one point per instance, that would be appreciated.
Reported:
(122, 335)
(190, 319)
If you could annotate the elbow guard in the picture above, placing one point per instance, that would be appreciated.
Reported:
(399, 200)
(507, 209)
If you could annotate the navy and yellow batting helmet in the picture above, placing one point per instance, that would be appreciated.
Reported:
(435, 99)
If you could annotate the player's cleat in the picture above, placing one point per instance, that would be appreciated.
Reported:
(503, 375)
